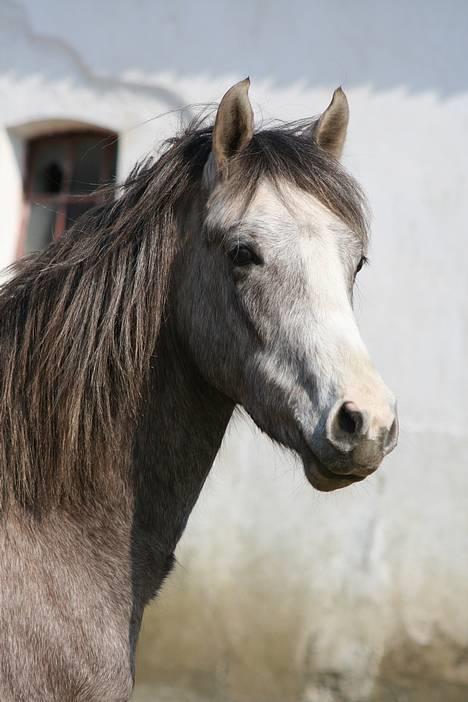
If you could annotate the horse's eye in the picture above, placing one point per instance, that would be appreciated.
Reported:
(362, 261)
(242, 256)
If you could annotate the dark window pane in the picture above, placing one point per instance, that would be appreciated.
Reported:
(63, 167)
(75, 210)
(48, 167)
(89, 153)
(110, 160)
(41, 227)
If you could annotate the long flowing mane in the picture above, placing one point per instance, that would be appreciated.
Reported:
(79, 322)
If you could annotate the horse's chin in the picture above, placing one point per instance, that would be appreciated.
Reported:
(324, 479)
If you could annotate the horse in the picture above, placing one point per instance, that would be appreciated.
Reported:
(220, 274)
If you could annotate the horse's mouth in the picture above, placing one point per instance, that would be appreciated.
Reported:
(324, 479)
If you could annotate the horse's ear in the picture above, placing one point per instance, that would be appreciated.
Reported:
(233, 127)
(329, 131)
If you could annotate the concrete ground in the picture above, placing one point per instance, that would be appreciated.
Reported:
(420, 691)
(404, 691)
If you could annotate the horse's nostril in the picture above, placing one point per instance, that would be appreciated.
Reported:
(350, 419)
(346, 427)
(351, 430)
(392, 437)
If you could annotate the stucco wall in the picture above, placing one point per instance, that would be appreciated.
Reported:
(282, 593)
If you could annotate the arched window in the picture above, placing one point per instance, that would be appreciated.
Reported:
(62, 173)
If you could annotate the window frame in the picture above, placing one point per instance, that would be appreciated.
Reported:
(61, 200)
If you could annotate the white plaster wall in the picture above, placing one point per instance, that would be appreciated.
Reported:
(283, 593)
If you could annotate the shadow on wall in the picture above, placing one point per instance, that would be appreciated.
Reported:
(419, 45)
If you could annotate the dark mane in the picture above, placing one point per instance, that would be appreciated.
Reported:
(79, 322)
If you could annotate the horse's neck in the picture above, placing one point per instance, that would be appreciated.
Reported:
(177, 440)
(98, 565)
